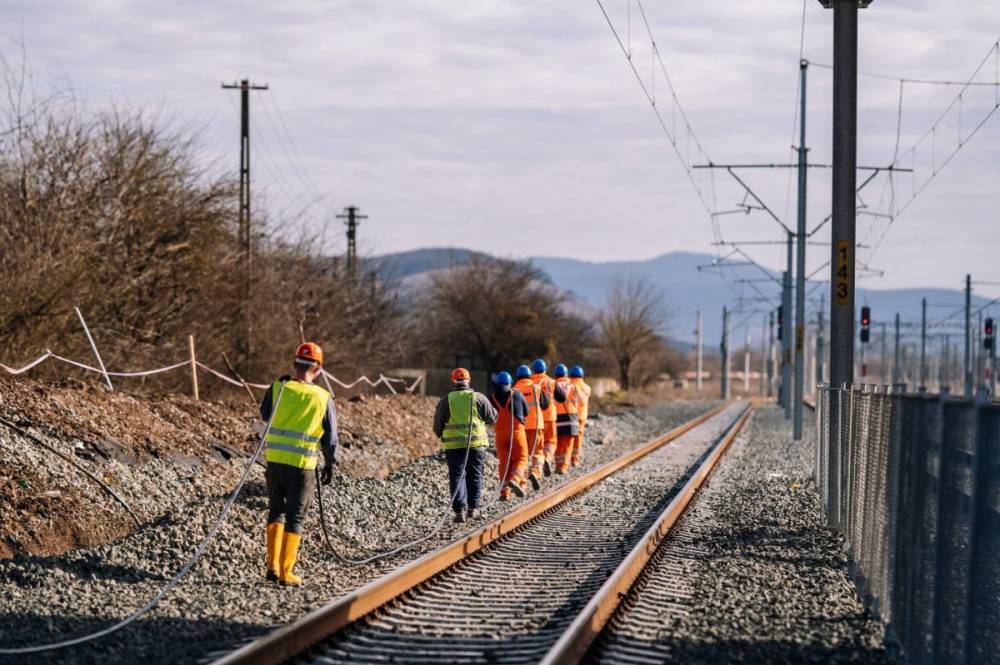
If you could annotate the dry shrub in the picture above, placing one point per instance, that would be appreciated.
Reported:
(113, 212)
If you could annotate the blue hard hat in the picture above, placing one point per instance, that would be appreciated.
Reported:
(576, 372)
(560, 370)
(539, 366)
(503, 379)
(523, 372)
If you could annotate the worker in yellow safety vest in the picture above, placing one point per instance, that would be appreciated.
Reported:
(303, 424)
(583, 400)
(460, 421)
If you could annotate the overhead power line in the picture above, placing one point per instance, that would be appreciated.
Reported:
(951, 148)
(705, 193)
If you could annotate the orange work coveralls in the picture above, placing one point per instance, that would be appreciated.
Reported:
(583, 402)
(512, 447)
(533, 425)
(548, 388)
(567, 425)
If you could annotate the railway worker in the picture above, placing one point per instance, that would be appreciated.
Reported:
(460, 422)
(303, 422)
(548, 387)
(534, 423)
(567, 419)
(511, 441)
(583, 401)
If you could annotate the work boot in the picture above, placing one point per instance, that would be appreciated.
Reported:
(514, 487)
(546, 468)
(275, 533)
(504, 497)
(576, 461)
(459, 515)
(289, 553)
(562, 469)
(536, 484)
(474, 513)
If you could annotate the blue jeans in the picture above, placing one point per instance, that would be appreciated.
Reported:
(469, 490)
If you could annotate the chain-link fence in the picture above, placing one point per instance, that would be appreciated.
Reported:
(913, 483)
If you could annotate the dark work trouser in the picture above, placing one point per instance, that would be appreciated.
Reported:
(470, 491)
(290, 490)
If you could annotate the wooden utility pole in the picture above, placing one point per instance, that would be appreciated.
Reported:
(245, 235)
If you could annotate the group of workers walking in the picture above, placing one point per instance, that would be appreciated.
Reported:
(539, 426)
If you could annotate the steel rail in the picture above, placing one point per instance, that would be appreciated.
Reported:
(572, 645)
(298, 636)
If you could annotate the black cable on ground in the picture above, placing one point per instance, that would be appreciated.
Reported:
(155, 600)
(79, 467)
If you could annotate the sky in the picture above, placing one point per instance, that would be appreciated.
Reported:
(519, 128)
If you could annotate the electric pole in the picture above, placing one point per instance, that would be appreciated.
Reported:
(800, 268)
(724, 348)
(352, 217)
(820, 359)
(923, 345)
(786, 335)
(968, 336)
(884, 369)
(843, 220)
(245, 347)
(770, 354)
(746, 362)
(698, 361)
(897, 370)
(763, 354)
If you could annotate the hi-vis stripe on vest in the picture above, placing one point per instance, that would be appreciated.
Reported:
(463, 419)
(297, 424)
(532, 395)
(568, 412)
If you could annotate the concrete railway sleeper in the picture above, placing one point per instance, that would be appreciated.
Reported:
(538, 583)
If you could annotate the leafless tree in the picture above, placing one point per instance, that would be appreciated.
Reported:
(631, 324)
(500, 312)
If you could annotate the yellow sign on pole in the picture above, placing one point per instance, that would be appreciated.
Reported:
(842, 286)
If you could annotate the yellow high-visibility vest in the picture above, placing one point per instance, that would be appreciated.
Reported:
(296, 424)
(456, 434)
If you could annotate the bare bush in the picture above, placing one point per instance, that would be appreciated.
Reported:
(500, 313)
(631, 327)
(113, 212)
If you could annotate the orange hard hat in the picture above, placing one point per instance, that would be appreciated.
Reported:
(460, 374)
(309, 354)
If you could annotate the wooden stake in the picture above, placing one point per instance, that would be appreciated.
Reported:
(194, 368)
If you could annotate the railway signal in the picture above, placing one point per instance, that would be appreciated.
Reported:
(988, 335)
(866, 321)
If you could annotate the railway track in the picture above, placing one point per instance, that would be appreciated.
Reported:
(537, 585)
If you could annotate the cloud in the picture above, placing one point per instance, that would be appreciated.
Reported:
(518, 127)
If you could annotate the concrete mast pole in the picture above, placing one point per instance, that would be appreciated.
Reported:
(800, 268)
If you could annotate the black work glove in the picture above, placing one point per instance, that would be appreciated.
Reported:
(326, 477)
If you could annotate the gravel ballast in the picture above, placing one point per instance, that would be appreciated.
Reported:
(751, 574)
(225, 599)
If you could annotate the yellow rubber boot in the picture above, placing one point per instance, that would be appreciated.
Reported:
(289, 552)
(275, 533)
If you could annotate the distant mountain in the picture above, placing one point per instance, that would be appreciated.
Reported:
(401, 265)
(687, 289)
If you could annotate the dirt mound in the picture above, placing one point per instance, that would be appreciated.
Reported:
(159, 452)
